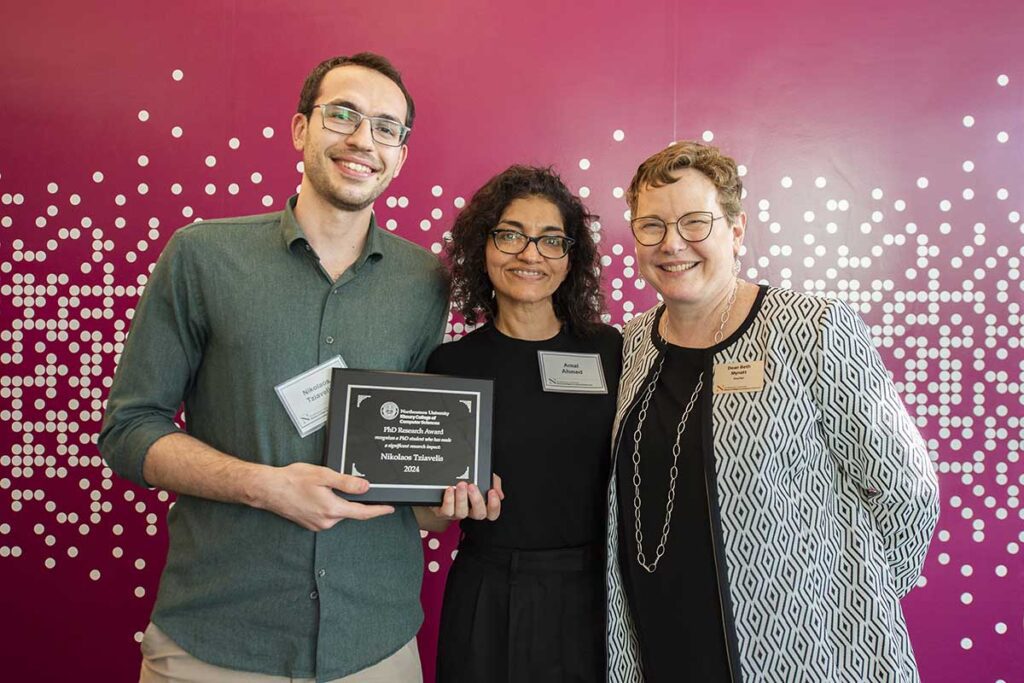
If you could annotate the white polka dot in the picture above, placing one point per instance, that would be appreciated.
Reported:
(177, 74)
(267, 200)
(433, 567)
(234, 143)
(1000, 628)
(584, 164)
(618, 135)
(968, 166)
(256, 177)
(459, 202)
(922, 182)
(436, 214)
(143, 115)
(584, 191)
(820, 182)
(1002, 136)
(945, 205)
(1003, 80)
(741, 170)
(966, 643)
(94, 575)
(808, 216)
(425, 225)
(210, 188)
(966, 598)
(617, 192)
(233, 188)
(786, 182)
(707, 136)
(140, 592)
(436, 190)
(968, 121)
(211, 161)
(403, 202)
(143, 160)
(268, 132)
(968, 193)
(176, 188)
(97, 177)
(177, 131)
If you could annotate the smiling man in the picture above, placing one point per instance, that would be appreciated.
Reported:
(270, 575)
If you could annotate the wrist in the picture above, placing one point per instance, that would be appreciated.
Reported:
(256, 485)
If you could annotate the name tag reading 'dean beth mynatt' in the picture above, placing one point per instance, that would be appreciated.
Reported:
(732, 378)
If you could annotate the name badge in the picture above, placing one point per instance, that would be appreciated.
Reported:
(731, 378)
(572, 373)
(306, 397)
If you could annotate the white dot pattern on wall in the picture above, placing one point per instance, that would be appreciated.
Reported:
(930, 266)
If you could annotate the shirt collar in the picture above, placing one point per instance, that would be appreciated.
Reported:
(293, 234)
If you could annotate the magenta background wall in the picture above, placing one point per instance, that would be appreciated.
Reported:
(882, 143)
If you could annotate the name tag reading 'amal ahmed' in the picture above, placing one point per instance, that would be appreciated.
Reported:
(731, 378)
(571, 373)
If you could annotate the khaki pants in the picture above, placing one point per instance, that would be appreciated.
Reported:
(163, 661)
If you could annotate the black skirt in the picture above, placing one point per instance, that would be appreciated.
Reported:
(531, 616)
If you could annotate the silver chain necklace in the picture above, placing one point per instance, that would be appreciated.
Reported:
(673, 471)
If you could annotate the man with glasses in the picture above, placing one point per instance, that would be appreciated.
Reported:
(270, 574)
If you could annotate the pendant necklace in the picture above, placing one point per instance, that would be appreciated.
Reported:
(673, 471)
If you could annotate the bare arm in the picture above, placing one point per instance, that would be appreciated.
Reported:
(300, 492)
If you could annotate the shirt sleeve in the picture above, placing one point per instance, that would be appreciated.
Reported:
(158, 364)
(868, 430)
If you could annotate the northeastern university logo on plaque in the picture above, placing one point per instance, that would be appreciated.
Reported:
(389, 410)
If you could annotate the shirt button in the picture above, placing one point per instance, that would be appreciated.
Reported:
(322, 572)
(329, 340)
(314, 595)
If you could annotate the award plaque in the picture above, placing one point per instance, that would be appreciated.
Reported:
(410, 435)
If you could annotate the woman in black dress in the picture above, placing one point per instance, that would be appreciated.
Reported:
(525, 597)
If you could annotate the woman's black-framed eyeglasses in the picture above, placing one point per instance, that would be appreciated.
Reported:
(514, 242)
(694, 226)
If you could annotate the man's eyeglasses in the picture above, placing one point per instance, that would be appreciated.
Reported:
(346, 121)
(515, 242)
(694, 226)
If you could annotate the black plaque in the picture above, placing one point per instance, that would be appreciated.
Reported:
(410, 435)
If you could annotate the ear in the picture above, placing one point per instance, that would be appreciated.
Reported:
(401, 160)
(300, 124)
(739, 230)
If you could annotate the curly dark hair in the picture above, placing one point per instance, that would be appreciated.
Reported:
(578, 301)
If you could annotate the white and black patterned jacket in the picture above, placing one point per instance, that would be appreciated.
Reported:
(823, 500)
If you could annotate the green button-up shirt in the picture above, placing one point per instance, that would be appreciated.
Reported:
(233, 308)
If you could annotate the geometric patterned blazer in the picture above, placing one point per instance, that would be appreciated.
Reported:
(823, 499)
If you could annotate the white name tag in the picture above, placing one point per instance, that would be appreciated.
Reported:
(572, 373)
(306, 397)
(736, 377)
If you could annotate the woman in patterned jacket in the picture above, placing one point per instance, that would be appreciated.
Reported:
(771, 500)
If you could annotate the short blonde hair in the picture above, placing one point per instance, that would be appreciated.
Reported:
(659, 169)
